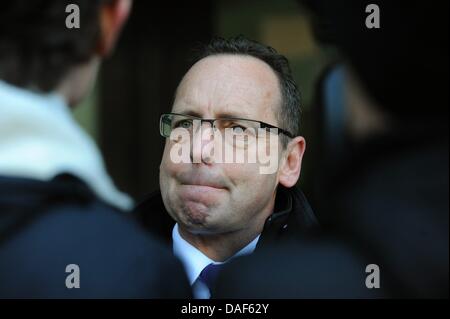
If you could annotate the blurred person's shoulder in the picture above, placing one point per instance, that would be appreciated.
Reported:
(48, 228)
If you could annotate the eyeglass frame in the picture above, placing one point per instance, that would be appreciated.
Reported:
(264, 125)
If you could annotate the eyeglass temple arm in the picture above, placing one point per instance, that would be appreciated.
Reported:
(280, 130)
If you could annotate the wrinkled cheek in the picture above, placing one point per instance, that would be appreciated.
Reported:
(167, 181)
(240, 172)
(168, 168)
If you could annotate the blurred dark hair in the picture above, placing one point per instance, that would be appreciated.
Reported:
(290, 111)
(404, 64)
(36, 48)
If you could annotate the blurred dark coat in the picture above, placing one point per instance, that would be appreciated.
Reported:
(45, 226)
(390, 208)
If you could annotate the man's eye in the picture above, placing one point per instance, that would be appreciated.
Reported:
(238, 129)
(183, 124)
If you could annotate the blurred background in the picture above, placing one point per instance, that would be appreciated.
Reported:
(138, 82)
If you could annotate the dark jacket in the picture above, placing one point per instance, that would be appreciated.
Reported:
(45, 226)
(389, 206)
(292, 217)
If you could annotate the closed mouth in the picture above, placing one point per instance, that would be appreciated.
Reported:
(210, 185)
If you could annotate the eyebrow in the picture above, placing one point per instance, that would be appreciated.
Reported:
(233, 115)
(190, 113)
(219, 116)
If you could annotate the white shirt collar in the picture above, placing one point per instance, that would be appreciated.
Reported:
(194, 260)
(39, 139)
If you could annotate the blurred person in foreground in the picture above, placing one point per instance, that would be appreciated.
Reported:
(60, 214)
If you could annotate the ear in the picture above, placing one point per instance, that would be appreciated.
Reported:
(291, 166)
(113, 16)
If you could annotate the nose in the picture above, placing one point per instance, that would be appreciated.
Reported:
(202, 143)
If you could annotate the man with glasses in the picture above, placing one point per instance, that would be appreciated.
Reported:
(236, 112)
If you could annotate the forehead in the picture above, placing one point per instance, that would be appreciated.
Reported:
(229, 85)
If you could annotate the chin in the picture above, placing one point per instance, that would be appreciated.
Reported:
(195, 214)
(199, 221)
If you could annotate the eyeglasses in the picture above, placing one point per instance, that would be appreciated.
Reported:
(239, 127)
